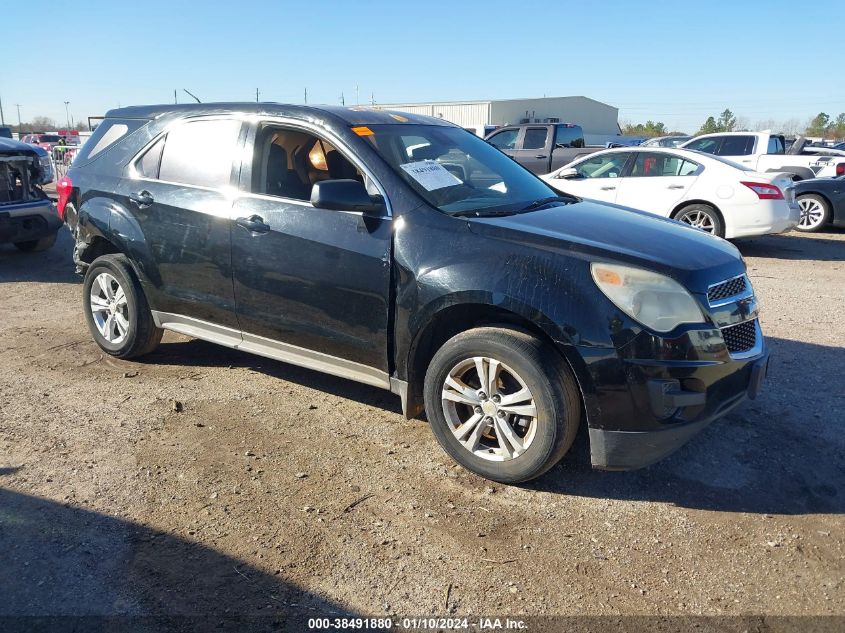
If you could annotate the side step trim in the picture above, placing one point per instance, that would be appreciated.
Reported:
(270, 348)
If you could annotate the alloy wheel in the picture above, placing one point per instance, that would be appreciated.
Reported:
(489, 409)
(109, 308)
(812, 213)
(699, 220)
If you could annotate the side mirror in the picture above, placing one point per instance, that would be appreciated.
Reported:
(345, 195)
(570, 173)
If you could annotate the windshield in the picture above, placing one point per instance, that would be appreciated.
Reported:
(457, 172)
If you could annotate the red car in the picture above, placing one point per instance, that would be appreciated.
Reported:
(44, 141)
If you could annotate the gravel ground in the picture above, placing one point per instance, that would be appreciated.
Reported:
(270, 489)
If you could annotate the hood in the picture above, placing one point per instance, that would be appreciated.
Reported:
(11, 146)
(597, 231)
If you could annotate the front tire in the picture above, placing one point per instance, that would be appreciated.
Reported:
(501, 403)
(702, 217)
(815, 213)
(116, 309)
(36, 246)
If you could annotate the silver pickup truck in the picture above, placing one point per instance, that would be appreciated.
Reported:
(28, 218)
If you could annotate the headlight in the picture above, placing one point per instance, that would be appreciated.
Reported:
(46, 167)
(656, 301)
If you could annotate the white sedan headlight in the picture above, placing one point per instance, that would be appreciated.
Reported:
(658, 302)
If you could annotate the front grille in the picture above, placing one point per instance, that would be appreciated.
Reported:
(727, 289)
(740, 338)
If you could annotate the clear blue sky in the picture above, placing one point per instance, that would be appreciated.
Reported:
(676, 62)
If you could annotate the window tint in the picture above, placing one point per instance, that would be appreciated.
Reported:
(107, 134)
(707, 145)
(505, 139)
(535, 138)
(775, 145)
(200, 153)
(604, 166)
(737, 146)
(569, 136)
(149, 163)
(648, 165)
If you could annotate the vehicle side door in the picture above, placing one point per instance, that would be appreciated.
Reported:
(657, 182)
(597, 176)
(178, 194)
(506, 139)
(534, 148)
(309, 283)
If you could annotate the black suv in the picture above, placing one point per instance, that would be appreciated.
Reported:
(406, 253)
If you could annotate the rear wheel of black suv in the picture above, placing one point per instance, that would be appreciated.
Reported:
(501, 403)
(116, 309)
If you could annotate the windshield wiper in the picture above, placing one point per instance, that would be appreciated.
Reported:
(481, 213)
(542, 202)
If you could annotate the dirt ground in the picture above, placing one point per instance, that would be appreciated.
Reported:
(274, 489)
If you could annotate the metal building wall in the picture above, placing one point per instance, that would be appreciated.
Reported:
(466, 113)
(593, 116)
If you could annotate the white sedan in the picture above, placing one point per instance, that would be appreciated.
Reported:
(708, 192)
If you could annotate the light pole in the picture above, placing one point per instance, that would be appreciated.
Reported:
(2, 118)
(67, 115)
(18, 106)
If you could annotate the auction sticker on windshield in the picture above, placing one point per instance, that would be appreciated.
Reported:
(430, 174)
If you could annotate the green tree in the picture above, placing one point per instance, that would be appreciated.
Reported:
(819, 125)
(727, 121)
(649, 128)
(709, 126)
(839, 125)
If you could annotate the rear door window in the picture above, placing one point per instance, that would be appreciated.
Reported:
(200, 153)
(535, 138)
(569, 136)
(709, 145)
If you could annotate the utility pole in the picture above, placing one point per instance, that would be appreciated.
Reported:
(372, 98)
(256, 95)
(2, 118)
(18, 106)
(67, 115)
(342, 101)
(175, 98)
(357, 101)
(306, 96)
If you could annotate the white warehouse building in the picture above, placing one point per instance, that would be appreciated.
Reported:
(594, 117)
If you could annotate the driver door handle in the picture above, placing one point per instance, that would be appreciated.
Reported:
(142, 199)
(540, 156)
(254, 224)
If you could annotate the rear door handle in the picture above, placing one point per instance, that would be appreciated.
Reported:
(541, 156)
(253, 224)
(142, 199)
(676, 187)
(608, 188)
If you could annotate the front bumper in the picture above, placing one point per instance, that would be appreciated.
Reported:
(628, 450)
(28, 221)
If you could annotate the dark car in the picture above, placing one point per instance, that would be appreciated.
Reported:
(822, 202)
(404, 252)
(28, 217)
(5, 132)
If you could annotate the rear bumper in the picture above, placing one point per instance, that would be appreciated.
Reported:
(28, 221)
(765, 218)
(628, 450)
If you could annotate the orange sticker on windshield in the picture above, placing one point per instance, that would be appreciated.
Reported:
(363, 130)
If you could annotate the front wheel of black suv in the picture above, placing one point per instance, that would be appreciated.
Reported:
(116, 309)
(502, 403)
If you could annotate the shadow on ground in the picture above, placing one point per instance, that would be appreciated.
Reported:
(64, 568)
(796, 246)
(51, 266)
(783, 453)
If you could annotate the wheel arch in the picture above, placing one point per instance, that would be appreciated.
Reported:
(688, 203)
(453, 319)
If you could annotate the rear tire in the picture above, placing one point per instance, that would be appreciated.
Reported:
(36, 246)
(116, 309)
(517, 426)
(815, 213)
(703, 217)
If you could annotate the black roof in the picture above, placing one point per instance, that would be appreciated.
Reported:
(351, 115)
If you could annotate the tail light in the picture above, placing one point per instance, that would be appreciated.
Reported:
(63, 188)
(764, 191)
(840, 169)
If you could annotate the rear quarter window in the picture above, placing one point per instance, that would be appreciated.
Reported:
(109, 132)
